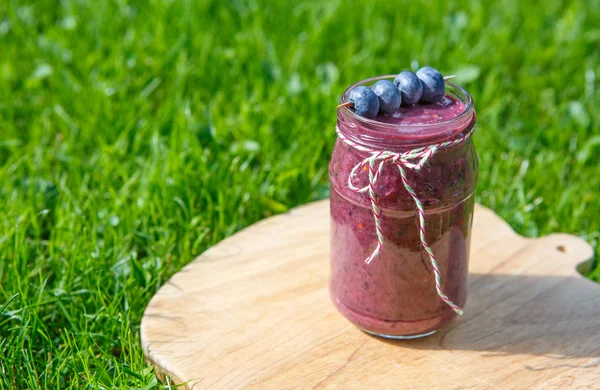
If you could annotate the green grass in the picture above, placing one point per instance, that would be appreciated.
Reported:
(135, 134)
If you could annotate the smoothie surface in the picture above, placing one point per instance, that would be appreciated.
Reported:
(423, 113)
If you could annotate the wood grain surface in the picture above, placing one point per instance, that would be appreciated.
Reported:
(254, 311)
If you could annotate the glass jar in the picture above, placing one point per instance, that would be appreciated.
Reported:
(395, 294)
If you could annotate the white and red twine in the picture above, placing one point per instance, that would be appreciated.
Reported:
(414, 160)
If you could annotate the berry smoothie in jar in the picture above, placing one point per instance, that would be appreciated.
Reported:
(402, 196)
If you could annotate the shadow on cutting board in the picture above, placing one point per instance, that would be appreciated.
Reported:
(557, 316)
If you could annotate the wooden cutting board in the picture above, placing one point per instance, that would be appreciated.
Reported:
(254, 311)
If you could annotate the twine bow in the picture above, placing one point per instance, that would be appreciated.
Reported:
(413, 160)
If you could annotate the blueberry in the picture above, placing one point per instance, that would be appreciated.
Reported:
(434, 87)
(364, 101)
(410, 87)
(389, 96)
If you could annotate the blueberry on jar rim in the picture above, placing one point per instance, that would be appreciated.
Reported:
(389, 96)
(434, 86)
(410, 87)
(363, 101)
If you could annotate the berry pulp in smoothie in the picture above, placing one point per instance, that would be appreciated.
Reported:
(395, 294)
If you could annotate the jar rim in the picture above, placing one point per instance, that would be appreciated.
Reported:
(381, 134)
(468, 103)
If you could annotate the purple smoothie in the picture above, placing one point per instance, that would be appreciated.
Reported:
(395, 294)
